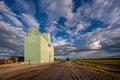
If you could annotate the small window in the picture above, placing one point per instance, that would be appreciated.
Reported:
(49, 45)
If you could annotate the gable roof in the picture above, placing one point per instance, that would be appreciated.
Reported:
(33, 30)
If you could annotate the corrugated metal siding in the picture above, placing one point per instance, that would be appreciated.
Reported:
(37, 48)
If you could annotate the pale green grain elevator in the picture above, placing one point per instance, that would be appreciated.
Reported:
(37, 47)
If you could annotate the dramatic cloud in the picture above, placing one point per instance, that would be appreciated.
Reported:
(79, 28)
(95, 45)
(60, 42)
(56, 9)
(5, 9)
(29, 20)
(8, 15)
(11, 39)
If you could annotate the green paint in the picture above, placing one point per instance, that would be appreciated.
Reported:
(37, 48)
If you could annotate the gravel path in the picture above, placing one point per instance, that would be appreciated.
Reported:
(56, 71)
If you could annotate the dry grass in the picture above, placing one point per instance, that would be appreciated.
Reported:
(108, 66)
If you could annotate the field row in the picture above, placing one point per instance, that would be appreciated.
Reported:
(111, 67)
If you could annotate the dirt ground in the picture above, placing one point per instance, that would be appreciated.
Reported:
(51, 71)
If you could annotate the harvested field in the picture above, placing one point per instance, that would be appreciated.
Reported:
(55, 71)
(108, 66)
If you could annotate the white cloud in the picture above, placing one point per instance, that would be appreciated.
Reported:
(95, 45)
(12, 38)
(30, 20)
(108, 12)
(10, 14)
(4, 54)
(104, 10)
(80, 20)
(57, 9)
(79, 27)
(26, 6)
(27, 19)
(5, 9)
(87, 14)
(53, 28)
(60, 43)
(15, 20)
(101, 35)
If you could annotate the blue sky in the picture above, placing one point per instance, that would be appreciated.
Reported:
(79, 28)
